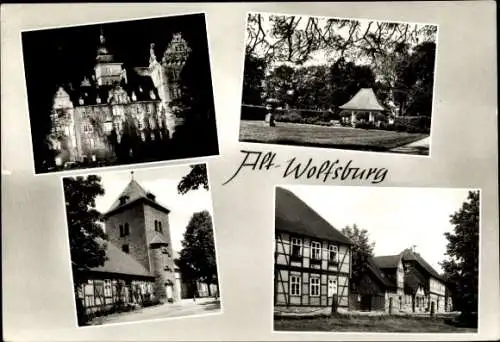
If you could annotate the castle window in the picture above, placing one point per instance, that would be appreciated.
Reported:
(108, 126)
(125, 248)
(333, 254)
(296, 247)
(315, 250)
(295, 285)
(314, 286)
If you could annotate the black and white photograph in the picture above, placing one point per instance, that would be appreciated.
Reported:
(354, 84)
(120, 93)
(359, 259)
(142, 245)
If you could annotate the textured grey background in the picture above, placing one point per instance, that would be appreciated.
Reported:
(37, 291)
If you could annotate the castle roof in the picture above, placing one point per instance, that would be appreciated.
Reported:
(296, 217)
(133, 193)
(120, 262)
(364, 99)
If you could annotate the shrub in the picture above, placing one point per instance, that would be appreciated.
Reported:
(150, 302)
(292, 117)
(413, 124)
(253, 113)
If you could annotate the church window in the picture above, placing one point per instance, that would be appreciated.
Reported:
(125, 248)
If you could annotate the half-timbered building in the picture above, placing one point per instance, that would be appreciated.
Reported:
(312, 263)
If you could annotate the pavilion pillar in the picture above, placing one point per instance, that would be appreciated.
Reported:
(353, 118)
(371, 117)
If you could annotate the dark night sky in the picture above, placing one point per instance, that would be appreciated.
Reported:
(56, 57)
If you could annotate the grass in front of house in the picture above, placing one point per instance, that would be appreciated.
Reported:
(363, 323)
(325, 136)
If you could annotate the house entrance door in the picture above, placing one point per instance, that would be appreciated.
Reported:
(169, 292)
(366, 303)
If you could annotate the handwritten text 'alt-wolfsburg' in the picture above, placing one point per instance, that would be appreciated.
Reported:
(325, 170)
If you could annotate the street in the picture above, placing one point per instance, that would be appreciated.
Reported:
(186, 307)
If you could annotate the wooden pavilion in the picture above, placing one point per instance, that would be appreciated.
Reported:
(364, 102)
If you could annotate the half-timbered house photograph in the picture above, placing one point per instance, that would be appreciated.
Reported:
(355, 84)
(119, 93)
(142, 244)
(360, 259)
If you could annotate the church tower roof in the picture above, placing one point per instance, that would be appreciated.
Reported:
(134, 193)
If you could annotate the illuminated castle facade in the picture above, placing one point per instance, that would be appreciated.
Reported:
(107, 110)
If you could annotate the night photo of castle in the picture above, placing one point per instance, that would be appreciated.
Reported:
(120, 93)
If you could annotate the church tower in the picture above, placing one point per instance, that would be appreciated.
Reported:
(107, 71)
(139, 225)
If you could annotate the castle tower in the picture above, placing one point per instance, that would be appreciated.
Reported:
(166, 76)
(62, 136)
(173, 62)
(138, 224)
(107, 71)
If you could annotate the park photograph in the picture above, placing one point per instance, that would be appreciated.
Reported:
(140, 255)
(353, 84)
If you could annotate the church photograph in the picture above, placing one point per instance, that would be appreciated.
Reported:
(142, 244)
(119, 93)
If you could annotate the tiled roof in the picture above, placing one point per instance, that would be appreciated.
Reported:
(295, 216)
(387, 261)
(364, 99)
(377, 272)
(157, 240)
(121, 263)
(409, 255)
(132, 193)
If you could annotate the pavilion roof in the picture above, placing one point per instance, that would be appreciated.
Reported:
(365, 99)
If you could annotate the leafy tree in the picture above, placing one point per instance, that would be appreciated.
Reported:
(461, 265)
(254, 74)
(194, 179)
(361, 250)
(197, 258)
(85, 234)
(84, 230)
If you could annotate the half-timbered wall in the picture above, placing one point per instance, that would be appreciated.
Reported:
(101, 294)
(309, 272)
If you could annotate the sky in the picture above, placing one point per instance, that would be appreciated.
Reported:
(320, 57)
(395, 218)
(162, 182)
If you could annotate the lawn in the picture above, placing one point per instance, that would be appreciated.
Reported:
(351, 323)
(325, 136)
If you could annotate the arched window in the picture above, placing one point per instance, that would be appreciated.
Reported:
(159, 227)
(156, 226)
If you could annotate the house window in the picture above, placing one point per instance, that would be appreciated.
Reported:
(125, 248)
(332, 287)
(314, 286)
(315, 250)
(333, 255)
(296, 247)
(107, 288)
(295, 285)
